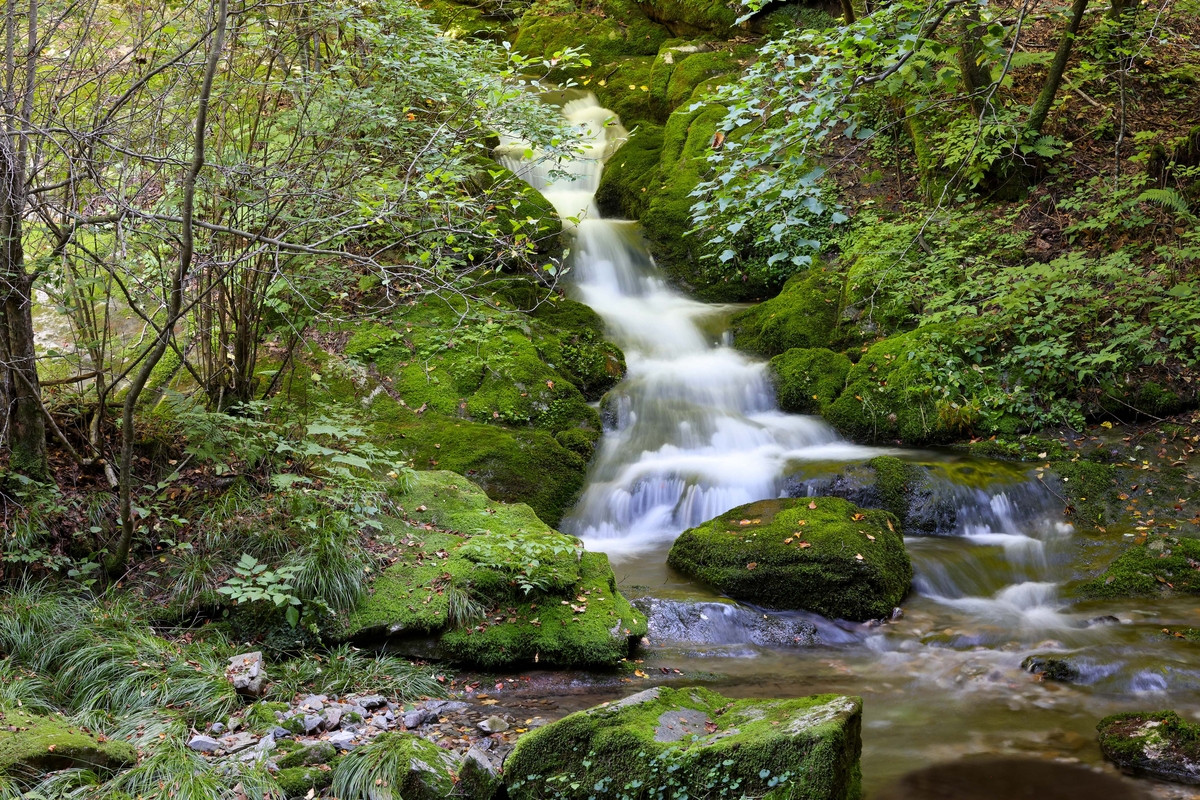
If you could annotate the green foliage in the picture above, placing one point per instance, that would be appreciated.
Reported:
(397, 766)
(344, 670)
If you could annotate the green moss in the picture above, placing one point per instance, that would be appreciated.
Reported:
(1019, 448)
(579, 441)
(1159, 565)
(803, 315)
(1157, 744)
(411, 767)
(684, 17)
(31, 745)
(492, 553)
(1090, 490)
(319, 753)
(462, 21)
(695, 738)
(699, 68)
(785, 554)
(889, 396)
(895, 481)
(807, 380)
(260, 717)
(298, 781)
(623, 87)
(605, 31)
(631, 176)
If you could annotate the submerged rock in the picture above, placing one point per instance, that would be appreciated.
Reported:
(817, 554)
(1006, 778)
(803, 748)
(1155, 744)
(31, 744)
(491, 584)
(697, 622)
(1051, 668)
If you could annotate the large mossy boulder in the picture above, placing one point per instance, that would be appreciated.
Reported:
(606, 30)
(819, 554)
(808, 379)
(1156, 744)
(31, 745)
(631, 177)
(491, 584)
(404, 764)
(694, 17)
(670, 741)
(890, 396)
(1153, 565)
(803, 314)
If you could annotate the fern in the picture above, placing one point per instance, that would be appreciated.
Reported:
(1168, 199)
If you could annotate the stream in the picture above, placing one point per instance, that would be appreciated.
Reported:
(694, 430)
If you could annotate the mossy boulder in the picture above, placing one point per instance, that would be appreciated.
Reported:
(1153, 565)
(1155, 744)
(803, 315)
(630, 176)
(605, 31)
(299, 781)
(494, 585)
(310, 756)
(691, 17)
(806, 748)
(1051, 668)
(808, 379)
(31, 745)
(623, 87)
(889, 396)
(470, 21)
(818, 554)
(409, 766)
(518, 210)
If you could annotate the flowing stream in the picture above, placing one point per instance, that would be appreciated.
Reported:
(694, 430)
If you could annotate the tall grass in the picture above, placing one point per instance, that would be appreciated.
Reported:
(345, 669)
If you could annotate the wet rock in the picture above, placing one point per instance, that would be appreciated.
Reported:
(747, 743)
(1006, 778)
(1051, 668)
(204, 744)
(1104, 620)
(493, 725)
(1158, 744)
(418, 717)
(823, 555)
(247, 674)
(446, 706)
(693, 622)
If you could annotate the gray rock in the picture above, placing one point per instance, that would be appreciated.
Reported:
(418, 717)
(379, 721)
(493, 725)
(332, 718)
(247, 673)
(723, 623)
(204, 744)
(238, 741)
(446, 706)
(314, 702)
(311, 723)
(280, 733)
(217, 728)
(477, 775)
(1052, 668)
(343, 740)
(234, 723)
(1155, 744)
(1107, 619)
(371, 701)
(676, 724)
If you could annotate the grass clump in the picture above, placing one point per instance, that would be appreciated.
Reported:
(394, 766)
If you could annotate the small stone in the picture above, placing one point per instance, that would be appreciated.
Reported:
(311, 723)
(238, 741)
(371, 701)
(416, 718)
(379, 721)
(235, 723)
(204, 744)
(493, 725)
(314, 702)
(1107, 619)
(342, 740)
(247, 674)
(332, 717)
(217, 728)
(280, 733)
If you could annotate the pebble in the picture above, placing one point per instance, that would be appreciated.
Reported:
(342, 740)
(217, 728)
(493, 725)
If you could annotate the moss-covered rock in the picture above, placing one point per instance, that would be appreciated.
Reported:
(695, 738)
(311, 756)
(623, 87)
(807, 380)
(31, 745)
(803, 315)
(516, 208)
(1154, 565)
(411, 767)
(470, 21)
(606, 31)
(631, 176)
(495, 585)
(889, 396)
(691, 17)
(299, 781)
(1051, 668)
(1090, 489)
(820, 554)
(1155, 744)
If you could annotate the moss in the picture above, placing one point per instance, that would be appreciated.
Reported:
(412, 768)
(517, 209)
(888, 396)
(695, 738)
(1157, 744)
(298, 781)
(463, 21)
(895, 481)
(605, 31)
(319, 753)
(801, 554)
(1090, 490)
(631, 175)
(699, 68)
(803, 315)
(564, 610)
(623, 87)
(1156, 565)
(581, 442)
(31, 745)
(807, 380)
(688, 17)
(1017, 448)
(261, 718)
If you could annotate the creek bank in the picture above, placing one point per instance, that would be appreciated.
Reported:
(823, 555)
(488, 583)
(802, 748)
(1153, 744)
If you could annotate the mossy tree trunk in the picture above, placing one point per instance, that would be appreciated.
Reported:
(1041, 108)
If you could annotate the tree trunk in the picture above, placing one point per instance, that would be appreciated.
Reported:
(975, 80)
(847, 12)
(1041, 109)
(187, 249)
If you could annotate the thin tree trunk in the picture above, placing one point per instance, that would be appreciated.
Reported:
(187, 250)
(847, 12)
(975, 80)
(1041, 109)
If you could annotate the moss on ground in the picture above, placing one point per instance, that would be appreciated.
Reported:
(496, 584)
(1156, 565)
(623, 87)
(803, 314)
(819, 554)
(1090, 490)
(1157, 744)
(807, 380)
(889, 396)
(31, 745)
(695, 738)
(299, 781)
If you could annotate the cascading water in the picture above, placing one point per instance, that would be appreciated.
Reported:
(694, 430)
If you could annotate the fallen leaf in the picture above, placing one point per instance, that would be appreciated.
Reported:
(890, 528)
(869, 536)
(788, 540)
(812, 504)
(858, 556)
(752, 565)
(857, 517)
(490, 702)
(803, 545)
